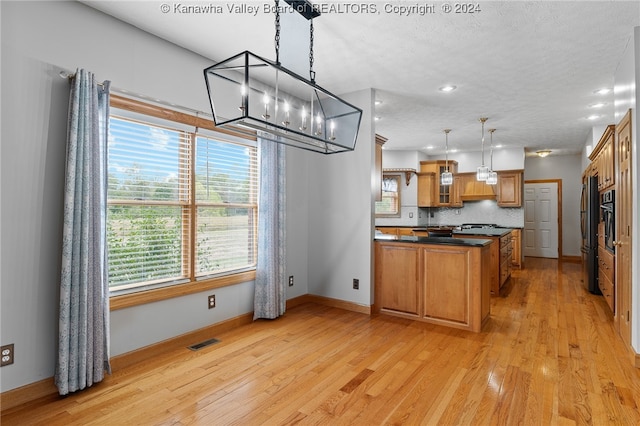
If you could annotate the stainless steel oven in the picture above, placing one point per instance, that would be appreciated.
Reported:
(607, 216)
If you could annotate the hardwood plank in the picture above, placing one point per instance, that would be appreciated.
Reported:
(549, 354)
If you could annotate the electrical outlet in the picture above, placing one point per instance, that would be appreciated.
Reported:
(356, 284)
(212, 301)
(7, 355)
(290, 280)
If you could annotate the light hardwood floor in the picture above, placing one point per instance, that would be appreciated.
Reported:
(548, 356)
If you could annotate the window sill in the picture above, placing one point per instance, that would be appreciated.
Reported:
(149, 296)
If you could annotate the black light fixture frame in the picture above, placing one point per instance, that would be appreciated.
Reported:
(241, 81)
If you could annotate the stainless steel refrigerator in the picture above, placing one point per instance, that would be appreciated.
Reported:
(589, 217)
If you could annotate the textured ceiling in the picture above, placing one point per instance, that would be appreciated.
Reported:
(530, 67)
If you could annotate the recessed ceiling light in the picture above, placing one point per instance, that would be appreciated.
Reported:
(498, 146)
(597, 105)
(603, 91)
(428, 147)
(593, 117)
(447, 88)
(377, 118)
(454, 150)
(378, 102)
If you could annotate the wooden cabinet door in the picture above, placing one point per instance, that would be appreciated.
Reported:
(447, 285)
(426, 196)
(510, 189)
(459, 181)
(624, 209)
(516, 241)
(609, 150)
(398, 279)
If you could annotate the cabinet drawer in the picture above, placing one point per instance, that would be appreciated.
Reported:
(505, 254)
(607, 289)
(606, 263)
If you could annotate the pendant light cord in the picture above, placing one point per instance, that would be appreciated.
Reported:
(446, 148)
(491, 149)
(482, 120)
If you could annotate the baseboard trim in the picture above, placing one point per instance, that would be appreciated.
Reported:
(28, 393)
(337, 303)
(571, 259)
(47, 388)
(182, 341)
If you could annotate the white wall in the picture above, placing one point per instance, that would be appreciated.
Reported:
(590, 143)
(503, 159)
(38, 40)
(568, 168)
(341, 215)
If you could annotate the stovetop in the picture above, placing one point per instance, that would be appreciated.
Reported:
(478, 225)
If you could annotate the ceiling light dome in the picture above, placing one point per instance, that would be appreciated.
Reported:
(447, 88)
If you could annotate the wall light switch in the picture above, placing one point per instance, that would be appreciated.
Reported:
(410, 215)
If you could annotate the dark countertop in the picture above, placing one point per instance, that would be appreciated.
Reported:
(484, 232)
(469, 242)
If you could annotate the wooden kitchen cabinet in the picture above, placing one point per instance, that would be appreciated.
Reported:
(500, 254)
(606, 276)
(506, 255)
(426, 188)
(459, 182)
(440, 284)
(509, 188)
(603, 159)
(516, 242)
(446, 286)
(399, 287)
(433, 193)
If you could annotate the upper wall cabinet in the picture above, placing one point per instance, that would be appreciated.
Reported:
(430, 192)
(509, 188)
(603, 161)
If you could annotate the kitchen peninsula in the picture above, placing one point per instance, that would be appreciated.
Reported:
(439, 280)
(500, 264)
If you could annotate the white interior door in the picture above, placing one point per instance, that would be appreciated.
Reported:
(540, 237)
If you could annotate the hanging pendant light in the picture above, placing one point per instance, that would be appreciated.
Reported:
(492, 177)
(249, 92)
(483, 171)
(446, 178)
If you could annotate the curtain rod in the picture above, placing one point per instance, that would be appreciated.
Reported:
(70, 75)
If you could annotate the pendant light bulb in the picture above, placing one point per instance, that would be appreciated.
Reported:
(483, 171)
(446, 178)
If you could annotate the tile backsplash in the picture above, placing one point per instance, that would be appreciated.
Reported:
(486, 211)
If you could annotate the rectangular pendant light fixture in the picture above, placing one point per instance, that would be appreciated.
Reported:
(249, 92)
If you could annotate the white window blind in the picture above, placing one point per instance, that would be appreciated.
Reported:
(226, 204)
(181, 206)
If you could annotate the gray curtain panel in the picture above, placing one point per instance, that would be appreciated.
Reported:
(270, 290)
(83, 335)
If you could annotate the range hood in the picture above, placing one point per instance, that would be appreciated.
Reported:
(477, 190)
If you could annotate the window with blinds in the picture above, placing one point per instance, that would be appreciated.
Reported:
(182, 204)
